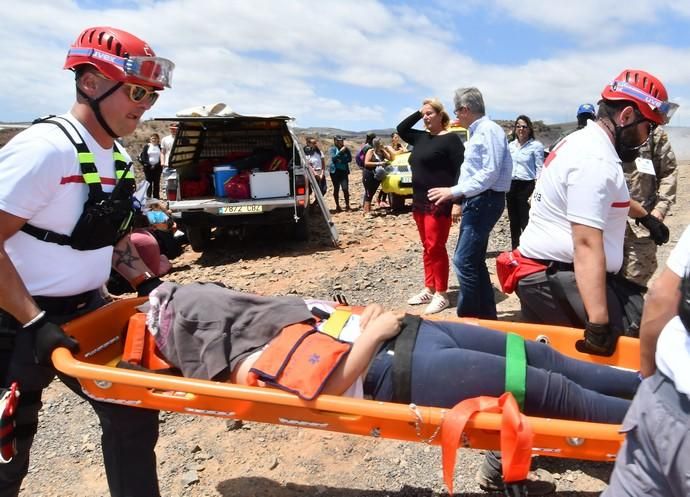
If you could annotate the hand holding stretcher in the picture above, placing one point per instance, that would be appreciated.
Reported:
(100, 351)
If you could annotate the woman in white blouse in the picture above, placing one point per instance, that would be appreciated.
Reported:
(528, 159)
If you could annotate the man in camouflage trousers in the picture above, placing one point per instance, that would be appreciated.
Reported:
(652, 184)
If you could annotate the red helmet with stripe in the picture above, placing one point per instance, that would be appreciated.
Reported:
(645, 90)
(120, 56)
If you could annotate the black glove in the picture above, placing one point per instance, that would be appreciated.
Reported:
(600, 339)
(684, 304)
(147, 286)
(658, 231)
(47, 337)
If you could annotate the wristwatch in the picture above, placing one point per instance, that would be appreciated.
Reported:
(138, 280)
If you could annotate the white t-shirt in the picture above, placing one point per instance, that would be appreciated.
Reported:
(673, 346)
(582, 182)
(154, 152)
(315, 160)
(166, 146)
(41, 181)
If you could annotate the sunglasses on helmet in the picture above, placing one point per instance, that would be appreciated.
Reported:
(155, 70)
(665, 109)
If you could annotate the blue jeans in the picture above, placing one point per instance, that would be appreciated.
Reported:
(454, 361)
(479, 215)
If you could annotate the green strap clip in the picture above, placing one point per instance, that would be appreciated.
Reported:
(516, 367)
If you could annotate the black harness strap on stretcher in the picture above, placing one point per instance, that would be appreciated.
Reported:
(402, 360)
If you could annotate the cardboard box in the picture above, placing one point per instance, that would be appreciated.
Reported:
(269, 185)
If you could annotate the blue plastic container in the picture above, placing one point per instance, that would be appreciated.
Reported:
(221, 174)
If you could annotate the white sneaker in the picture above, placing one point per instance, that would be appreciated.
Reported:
(437, 304)
(422, 297)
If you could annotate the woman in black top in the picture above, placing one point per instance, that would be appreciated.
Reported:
(435, 161)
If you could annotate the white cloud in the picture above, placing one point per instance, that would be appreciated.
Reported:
(323, 61)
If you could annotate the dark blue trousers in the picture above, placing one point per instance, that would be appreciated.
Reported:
(452, 362)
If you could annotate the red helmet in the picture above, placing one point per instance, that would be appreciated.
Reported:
(120, 56)
(646, 91)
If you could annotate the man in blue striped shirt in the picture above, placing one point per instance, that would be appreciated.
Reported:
(485, 177)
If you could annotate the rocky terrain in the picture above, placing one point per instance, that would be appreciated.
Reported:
(378, 259)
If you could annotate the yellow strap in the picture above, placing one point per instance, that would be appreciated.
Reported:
(92, 178)
(86, 157)
(336, 322)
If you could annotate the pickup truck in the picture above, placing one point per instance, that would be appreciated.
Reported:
(234, 171)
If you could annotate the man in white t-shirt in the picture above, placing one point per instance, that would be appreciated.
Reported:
(654, 460)
(167, 143)
(54, 260)
(578, 216)
(166, 146)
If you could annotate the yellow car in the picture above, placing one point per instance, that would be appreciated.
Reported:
(398, 181)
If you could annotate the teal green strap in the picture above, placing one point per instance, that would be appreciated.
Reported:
(516, 367)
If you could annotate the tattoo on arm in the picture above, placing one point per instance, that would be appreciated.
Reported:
(125, 257)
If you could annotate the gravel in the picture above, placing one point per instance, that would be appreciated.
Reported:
(379, 259)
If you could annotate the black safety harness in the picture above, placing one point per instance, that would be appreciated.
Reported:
(106, 218)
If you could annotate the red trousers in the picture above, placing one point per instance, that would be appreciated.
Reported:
(433, 232)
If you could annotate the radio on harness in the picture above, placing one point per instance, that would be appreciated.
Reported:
(106, 218)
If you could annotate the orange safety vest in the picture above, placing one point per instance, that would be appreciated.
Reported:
(300, 359)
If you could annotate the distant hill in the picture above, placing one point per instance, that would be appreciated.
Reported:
(546, 133)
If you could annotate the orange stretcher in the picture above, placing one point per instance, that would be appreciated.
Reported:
(100, 335)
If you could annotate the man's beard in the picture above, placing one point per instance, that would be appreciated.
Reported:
(628, 143)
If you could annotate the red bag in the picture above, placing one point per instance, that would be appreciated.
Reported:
(277, 163)
(511, 267)
(237, 187)
(195, 187)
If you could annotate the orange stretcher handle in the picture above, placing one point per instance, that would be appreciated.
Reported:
(516, 436)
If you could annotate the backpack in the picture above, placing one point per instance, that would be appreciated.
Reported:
(359, 159)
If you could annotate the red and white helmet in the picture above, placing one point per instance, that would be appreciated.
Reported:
(646, 91)
(120, 56)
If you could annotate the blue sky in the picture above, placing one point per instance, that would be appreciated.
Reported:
(359, 65)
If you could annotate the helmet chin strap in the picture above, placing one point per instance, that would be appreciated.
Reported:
(94, 103)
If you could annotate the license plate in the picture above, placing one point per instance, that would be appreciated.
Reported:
(241, 209)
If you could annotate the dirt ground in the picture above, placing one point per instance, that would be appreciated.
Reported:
(379, 259)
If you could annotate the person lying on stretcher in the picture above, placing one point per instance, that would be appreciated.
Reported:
(210, 332)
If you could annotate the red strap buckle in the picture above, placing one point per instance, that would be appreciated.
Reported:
(8, 407)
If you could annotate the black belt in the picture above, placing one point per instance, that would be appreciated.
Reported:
(64, 306)
(556, 265)
(56, 306)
